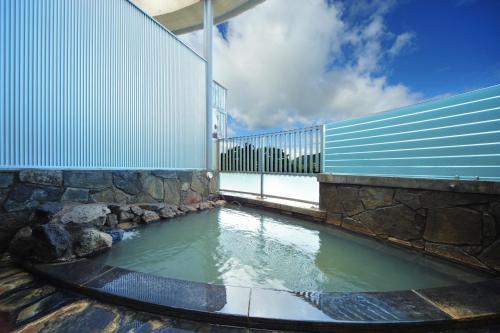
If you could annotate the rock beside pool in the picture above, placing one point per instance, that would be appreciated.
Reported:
(65, 231)
(91, 242)
(149, 216)
(51, 242)
(220, 203)
(89, 214)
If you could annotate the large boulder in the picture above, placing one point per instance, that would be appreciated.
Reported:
(51, 242)
(89, 215)
(91, 242)
(22, 243)
(45, 212)
(10, 223)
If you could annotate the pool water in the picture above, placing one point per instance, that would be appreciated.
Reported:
(256, 248)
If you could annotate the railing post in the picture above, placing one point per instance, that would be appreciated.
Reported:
(261, 167)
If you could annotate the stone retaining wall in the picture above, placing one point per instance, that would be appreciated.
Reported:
(22, 191)
(458, 220)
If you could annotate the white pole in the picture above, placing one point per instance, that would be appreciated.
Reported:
(208, 23)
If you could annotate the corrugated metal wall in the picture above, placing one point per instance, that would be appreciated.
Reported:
(454, 136)
(96, 84)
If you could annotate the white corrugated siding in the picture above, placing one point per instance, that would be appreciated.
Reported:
(96, 84)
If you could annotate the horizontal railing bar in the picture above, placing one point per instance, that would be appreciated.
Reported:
(271, 196)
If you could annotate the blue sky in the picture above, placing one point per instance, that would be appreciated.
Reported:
(456, 48)
(291, 63)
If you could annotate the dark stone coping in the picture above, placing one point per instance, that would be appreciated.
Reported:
(451, 185)
(460, 306)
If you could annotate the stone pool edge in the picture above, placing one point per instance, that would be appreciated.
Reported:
(460, 306)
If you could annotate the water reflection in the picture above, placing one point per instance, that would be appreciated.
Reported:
(254, 248)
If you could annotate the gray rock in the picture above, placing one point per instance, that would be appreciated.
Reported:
(126, 216)
(192, 197)
(97, 179)
(375, 197)
(6, 179)
(89, 214)
(188, 208)
(153, 186)
(204, 205)
(397, 221)
(21, 193)
(110, 195)
(51, 242)
(220, 203)
(45, 212)
(491, 256)
(112, 220)
(46, 193)
(150, 216)
(137, 210)
(14, 206)
(10, 223)
(199, 183)
(45, 177)
(167, 213)
(92, 242)
(127, 181)
(172, 189)
(184, 186)
(75, 194)
(22, 243)
(155, 207)
(455, 225)
(410, 198)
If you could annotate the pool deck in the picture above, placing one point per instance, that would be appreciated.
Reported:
(461, 308)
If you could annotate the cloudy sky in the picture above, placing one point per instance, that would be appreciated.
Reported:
(293, 63)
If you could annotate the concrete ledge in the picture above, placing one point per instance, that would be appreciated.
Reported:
(308, 213)
(449, 185)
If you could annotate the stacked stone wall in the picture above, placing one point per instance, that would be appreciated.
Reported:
(457, 220)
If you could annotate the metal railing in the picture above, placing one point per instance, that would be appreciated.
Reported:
(297, 151)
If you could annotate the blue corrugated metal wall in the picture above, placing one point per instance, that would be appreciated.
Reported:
(96, 84)
(445, 138)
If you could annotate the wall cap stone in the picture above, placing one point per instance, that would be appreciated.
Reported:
(449, 185)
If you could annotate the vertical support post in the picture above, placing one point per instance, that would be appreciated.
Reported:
(208, 24)
(261, 167)
(323, 133)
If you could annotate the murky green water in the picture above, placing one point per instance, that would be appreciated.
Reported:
(255, 248)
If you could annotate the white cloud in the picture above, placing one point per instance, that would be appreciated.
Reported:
(289, 63)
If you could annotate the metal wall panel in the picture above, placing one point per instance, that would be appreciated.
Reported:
(458, 136)
(97, 84)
